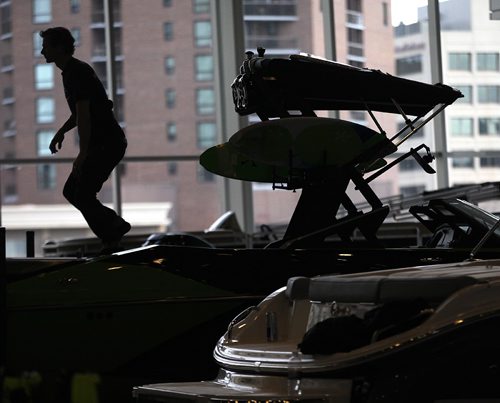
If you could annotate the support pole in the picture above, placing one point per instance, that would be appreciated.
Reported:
(437, 77)
(3, 308)
(229, 53)
(30, 243)
(111, 84)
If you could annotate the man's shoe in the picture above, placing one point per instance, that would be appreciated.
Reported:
(112, 244)
(119, 231)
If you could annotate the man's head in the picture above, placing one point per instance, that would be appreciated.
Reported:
(57, 41)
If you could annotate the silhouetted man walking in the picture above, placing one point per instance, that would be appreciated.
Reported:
(101, 139)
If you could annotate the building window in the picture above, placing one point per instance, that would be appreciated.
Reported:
(8, 96)
(462, 162)
(45, 110)
(202, 33)
(9, 127)
(355, 35)
(76, 34)
(466, 90)
(488, 94)
(46, 176)
(170, 98)
(205, 101)
(169, 65)
(461, 127)
(44, 77)
(459, 61)
(201, 6)
(489, 126)
(206, 135)
(489, 162)
(74, 6)
(168, 31)
(167, 3)
(42, 11)
(204, 65)
(409, 65)
(385, 14)
(46, 173)
(172, 168)
(487, 61)
(354, 5)
(355, 63)
(37, 43)
(5, 20)
(171, 132)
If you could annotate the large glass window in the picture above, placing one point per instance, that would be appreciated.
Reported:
(171, 122)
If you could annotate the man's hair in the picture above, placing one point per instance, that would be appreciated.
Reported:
(60, 36)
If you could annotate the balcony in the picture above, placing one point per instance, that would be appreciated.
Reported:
(262, 10)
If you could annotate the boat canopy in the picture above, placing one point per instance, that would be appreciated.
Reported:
(272, 86)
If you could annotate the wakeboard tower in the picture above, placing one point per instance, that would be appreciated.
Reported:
(293, 148)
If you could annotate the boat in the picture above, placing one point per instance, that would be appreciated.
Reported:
(413, 334)
(155, 312)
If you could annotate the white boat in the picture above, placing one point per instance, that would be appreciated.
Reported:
(416, 334)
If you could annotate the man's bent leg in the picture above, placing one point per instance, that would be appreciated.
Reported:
(102, 220)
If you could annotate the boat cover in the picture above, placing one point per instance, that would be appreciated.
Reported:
(270, 86)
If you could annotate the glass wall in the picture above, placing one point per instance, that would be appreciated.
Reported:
(166, 76)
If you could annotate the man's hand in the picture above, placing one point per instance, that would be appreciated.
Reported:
(56, 143)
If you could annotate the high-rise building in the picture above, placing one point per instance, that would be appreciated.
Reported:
(164, 72)
(470, 62)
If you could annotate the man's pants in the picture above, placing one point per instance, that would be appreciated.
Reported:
(81, 189)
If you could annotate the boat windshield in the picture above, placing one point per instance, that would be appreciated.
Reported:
(488, 220)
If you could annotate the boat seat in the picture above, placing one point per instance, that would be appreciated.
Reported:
(375, 289)
(429, 289)
(297, 288)
(348, 289)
